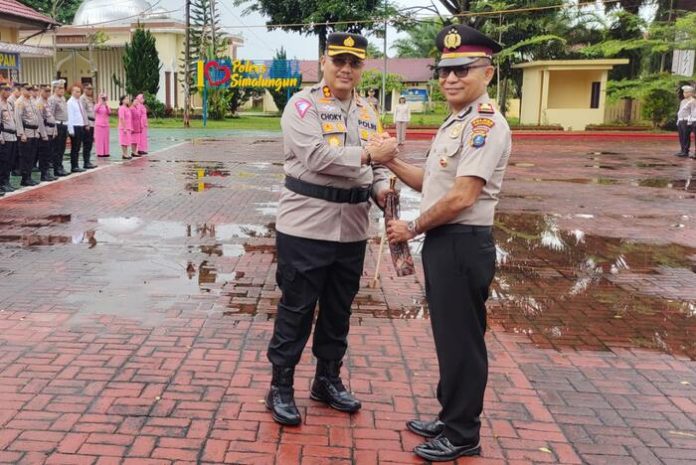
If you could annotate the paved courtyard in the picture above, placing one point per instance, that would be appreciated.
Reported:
(136, 301)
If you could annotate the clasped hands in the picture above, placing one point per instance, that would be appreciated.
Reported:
(382, 147)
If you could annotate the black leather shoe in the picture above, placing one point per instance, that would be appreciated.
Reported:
(328, 388)
(441, 449)
(681, 154)
(89, 166)
(280, 399)
(427, 429)
(59, 173)
(7, 188)
(77, 170)
(28, 183)
(46, 177)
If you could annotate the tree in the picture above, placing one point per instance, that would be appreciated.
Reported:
(201, 39)
(141, 63)
(281, 67)
(62, 11)
(373, 51)
(372, 79)
(420, 42)
(315, 17)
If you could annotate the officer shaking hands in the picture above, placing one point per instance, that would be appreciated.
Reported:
(460, 183)
(332, 166)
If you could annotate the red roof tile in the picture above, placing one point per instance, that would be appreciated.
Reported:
(19, 10)
(410, 69)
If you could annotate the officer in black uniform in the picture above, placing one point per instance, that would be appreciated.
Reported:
(460, 183)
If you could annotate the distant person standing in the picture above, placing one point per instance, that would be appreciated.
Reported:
(76, 127)
(8, 139)
(59, 109)
(101, 126)
(87, 102)
(44, 152)
(372, 100)
(137, 128)
(692, 126)
(30, 129)
(143, 145)
(685, 120)
(125, 126)
(402, 116)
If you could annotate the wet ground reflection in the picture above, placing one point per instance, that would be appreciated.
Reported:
(570, 289)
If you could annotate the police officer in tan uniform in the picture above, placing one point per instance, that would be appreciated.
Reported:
(460, 183)
(8, 139)
(45, 147)
(87, 102)
(15, 94)
(59, 108)
(30, 129)
(331, 154)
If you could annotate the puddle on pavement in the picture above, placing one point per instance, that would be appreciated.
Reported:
(571, 289)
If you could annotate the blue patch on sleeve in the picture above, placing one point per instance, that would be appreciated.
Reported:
(478, 141)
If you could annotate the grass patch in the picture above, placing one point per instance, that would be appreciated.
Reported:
(244, 122)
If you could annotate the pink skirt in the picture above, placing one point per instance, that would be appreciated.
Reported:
(124, 137)
(143, 145)
(101, 140)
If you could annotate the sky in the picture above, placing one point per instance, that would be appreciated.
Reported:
(262, 44)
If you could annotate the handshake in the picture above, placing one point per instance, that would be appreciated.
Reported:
(382, 148)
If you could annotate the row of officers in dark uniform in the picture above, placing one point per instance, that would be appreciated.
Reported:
(34, 131)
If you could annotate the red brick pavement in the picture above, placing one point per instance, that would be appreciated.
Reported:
(136, 302)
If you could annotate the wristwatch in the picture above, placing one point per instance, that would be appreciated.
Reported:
(369, 157)
(412, 227)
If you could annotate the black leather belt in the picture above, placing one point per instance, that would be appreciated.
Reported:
(50, 125)
(91, 119)
(459, 229)
(330, 194)
(9, 131)
(30, 126)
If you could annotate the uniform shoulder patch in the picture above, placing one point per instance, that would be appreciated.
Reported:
(302, 106)
(486, 109)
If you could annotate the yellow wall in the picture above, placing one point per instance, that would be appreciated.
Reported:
(572, 88)
(9, 35)
(531, 96)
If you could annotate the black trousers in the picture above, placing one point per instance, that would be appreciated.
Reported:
(27, 155)
(8, 153)
(15, 163)
(59, 147)
(44, 153)
(75, 144)
(685, 130)
(311, 271)
(459, 268)
(87, 144)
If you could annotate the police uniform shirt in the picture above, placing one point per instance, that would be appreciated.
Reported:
(27, 114)
(475, 142)
(88, 106)
(49, 121)
(686, 107)
(11, 100)
(323, 142)
(8, 122)
(59, 108)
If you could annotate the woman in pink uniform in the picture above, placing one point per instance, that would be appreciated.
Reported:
(101, 127)
(125, 126)
(143, 146)
(137, 128)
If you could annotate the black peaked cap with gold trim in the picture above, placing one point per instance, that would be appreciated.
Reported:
(345, 42)
(461, 44)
